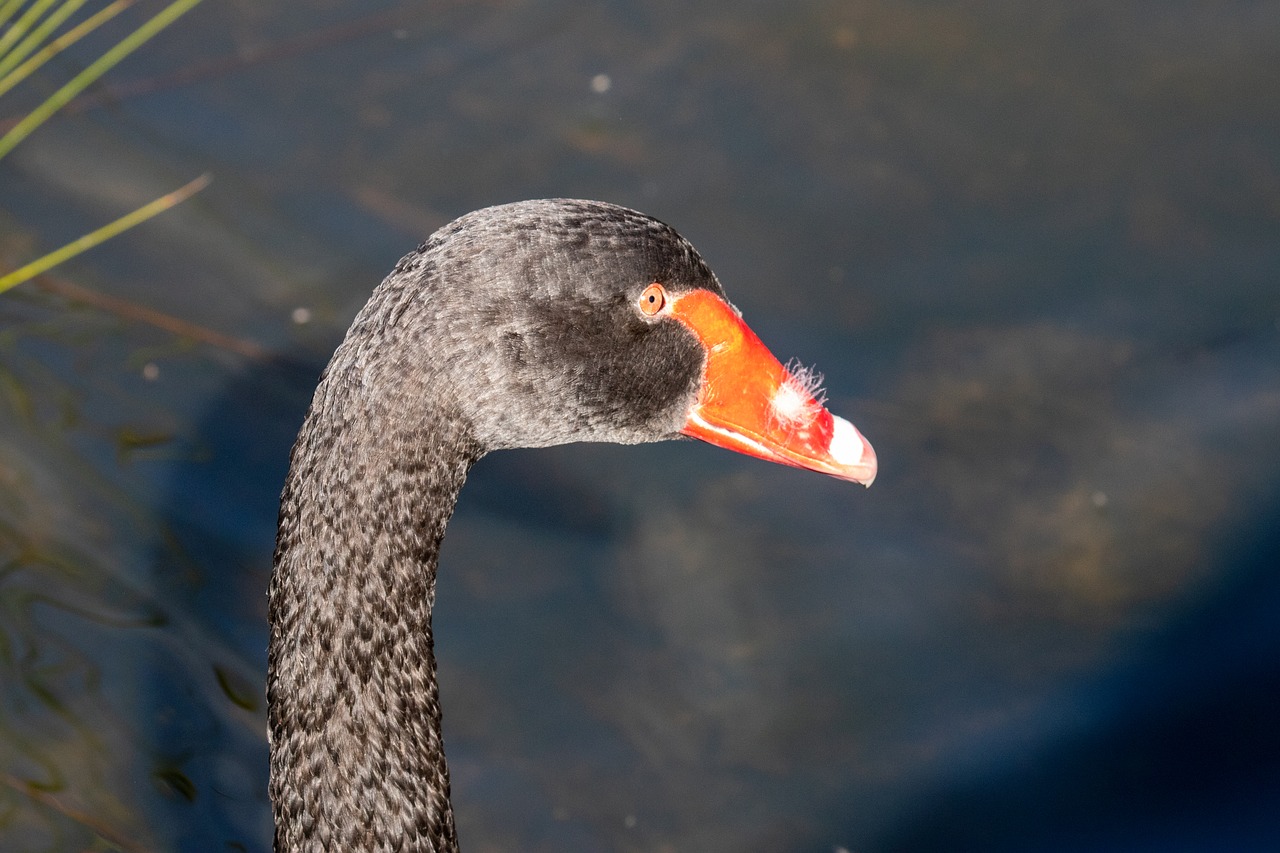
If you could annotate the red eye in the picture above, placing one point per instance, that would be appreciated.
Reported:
(653, 299)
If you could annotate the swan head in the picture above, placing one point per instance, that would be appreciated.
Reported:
(556, 321)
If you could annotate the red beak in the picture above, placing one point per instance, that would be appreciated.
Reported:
(750, 403)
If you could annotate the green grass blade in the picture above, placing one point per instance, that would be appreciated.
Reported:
(104, 63)
(20, 26)
(7, 8)
(104, 233)
(61, 43)
(39, 35)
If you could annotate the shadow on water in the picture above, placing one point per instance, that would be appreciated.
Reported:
(208, 749)
(207, 752)
(1176, 749)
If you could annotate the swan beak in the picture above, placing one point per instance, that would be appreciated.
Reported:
(750, 403)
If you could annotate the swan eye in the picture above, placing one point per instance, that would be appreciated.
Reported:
(653, 299)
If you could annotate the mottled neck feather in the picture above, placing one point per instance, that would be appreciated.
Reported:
(356, 756)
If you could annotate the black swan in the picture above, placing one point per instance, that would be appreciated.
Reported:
(523, 325)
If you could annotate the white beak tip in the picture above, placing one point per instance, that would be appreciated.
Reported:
(850, 449)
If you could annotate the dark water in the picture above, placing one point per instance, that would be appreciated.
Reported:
(1034, 247)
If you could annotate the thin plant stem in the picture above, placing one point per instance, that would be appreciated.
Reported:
(39, 35)
(108, 60)
(7, 9)
(20, 26)
(106, 232)
(61, 43)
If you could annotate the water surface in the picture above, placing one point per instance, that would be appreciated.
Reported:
(1034, 249)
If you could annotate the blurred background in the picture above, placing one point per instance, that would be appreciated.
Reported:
(1034, 247)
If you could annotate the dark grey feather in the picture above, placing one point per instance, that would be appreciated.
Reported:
(514, 326)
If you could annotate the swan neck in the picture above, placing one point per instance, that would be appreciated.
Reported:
(357, 760)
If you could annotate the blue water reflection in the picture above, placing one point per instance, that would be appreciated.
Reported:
(1033, 247)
